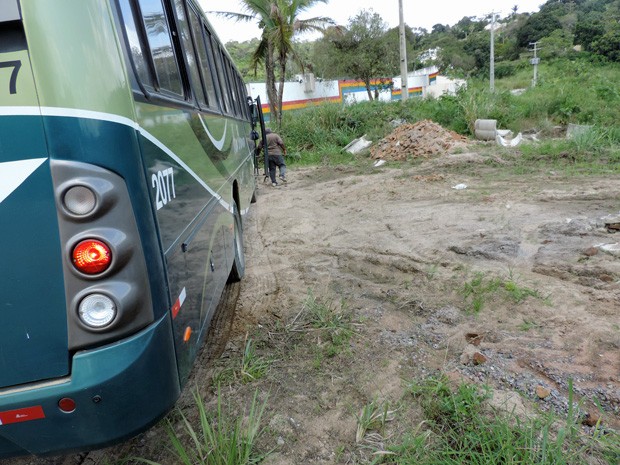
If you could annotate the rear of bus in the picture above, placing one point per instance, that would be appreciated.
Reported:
(86, 342)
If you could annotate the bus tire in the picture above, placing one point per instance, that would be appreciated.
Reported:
(254, 198)
(238, 268)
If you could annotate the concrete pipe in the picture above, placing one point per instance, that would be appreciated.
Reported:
(485, 129)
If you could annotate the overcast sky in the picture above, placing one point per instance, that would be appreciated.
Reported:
(417, 13)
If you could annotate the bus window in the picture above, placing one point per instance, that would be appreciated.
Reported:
(233, 87)
(242, 93)
(135, 44)
(190, 55)
(221, 74)
(196, 26)
(162, 52)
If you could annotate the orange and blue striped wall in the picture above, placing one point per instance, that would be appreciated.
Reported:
(347, 86)
(413, 92)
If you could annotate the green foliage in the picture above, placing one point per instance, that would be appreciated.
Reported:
(481, 288)
(537, 26)
(362, 50)
(241, 54)
(607, 44)
(317, 135)
(462, 429)
(251, 367)
(221, 440)
(590, 152)
(373, 417)
(333, 320)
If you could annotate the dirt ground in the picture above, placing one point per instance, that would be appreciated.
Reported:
(406, 255)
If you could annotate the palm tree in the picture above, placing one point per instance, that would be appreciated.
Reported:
(278, 19)
(286, 25)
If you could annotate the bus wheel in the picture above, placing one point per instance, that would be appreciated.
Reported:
(238, 268)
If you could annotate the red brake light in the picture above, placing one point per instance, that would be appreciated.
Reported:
(92, 256)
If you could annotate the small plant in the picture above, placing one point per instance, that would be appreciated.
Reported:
(461, 428)
(220, 439)
(519, 293)
(373, 416)
(528, 324)
(250, 368)
(431, 271)
(480, 289)
(253, 367)
(333, 320)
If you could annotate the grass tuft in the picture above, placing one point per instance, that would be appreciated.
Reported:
(221, 438)
(462, 429)
(333, 320)
(481, 288)
(250, 368)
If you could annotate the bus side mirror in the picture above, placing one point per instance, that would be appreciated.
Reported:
(255, 135)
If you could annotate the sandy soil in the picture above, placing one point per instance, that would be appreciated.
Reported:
(397, 247)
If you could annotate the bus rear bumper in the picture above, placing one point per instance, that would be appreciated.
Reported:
(119, 390)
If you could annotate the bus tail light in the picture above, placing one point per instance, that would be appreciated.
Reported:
(79, 200)
(107, 283)
(91, 257)
(97, 311)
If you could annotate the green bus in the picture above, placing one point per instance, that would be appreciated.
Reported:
(126, 170)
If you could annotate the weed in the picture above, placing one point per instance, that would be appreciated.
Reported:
(518, 293)
(431, 271)
(528, 324)
(220, 440)
(373, 416)
(253, 367)
(332, 320)
(250, 368)
(477, 291)
(461, 429)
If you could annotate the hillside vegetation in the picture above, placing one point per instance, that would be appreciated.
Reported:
(562, 29)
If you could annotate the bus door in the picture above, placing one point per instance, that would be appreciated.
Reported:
(33, 320)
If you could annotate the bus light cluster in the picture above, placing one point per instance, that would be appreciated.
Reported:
(91, 257)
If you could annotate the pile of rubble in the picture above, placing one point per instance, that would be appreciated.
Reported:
(422, 139)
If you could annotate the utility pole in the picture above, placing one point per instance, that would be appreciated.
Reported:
(534, 61)
(492, 61)
(404, 88)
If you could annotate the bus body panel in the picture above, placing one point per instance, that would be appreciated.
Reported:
(32, 309)
(189, 159)
(134, 381)
(89, 73)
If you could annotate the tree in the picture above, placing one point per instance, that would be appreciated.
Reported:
(362, 50)
(285, 25)
(607, 45)
(537, 26)
(589, 30)
(279, 22)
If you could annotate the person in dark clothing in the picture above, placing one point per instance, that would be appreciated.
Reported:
(276, 151)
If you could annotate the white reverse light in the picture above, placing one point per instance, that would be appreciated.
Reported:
(97, 310)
